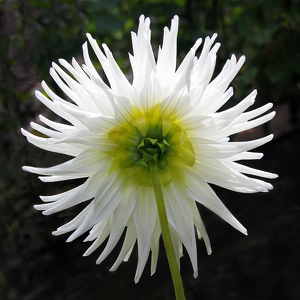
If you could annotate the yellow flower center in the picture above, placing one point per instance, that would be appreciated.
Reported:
(151, 138)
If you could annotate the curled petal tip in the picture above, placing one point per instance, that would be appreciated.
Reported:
(175, 19)
(23, 131)
(26, 168)
(272, 114)
(70, 239)
(84, 46)
(242, 59)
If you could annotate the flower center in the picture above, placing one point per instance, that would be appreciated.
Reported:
(151, 138)
(154, 150)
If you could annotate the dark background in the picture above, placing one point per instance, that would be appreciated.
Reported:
(265, 264)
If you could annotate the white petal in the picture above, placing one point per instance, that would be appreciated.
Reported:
(201, 192)
(202, 233)
(103, 60)
(108, 196)
(46, 131)
(99, 233)
(58, 126)
(75, 196)
(88, 161)
(251, 171)
(50, 104)
(181, 218)
(44, 143)
(144, 218)
(128, 244)
(155, 246)
(120, 219)
(216, 172)
(166, 59)
(84, 224)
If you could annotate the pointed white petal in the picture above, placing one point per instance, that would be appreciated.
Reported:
(128, 244)
(144, 215)
(202, 233)
(120, 218)
(44, 143)
(201, 192)
(181, 218)
(99, 232)
(155, 246)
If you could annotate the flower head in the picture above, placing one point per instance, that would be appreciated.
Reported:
(167, 116)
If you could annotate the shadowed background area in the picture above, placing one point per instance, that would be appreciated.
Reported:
(265, 264)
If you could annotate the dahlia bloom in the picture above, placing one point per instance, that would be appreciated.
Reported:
(167, 116)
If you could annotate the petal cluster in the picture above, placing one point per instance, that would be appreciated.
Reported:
(109, 133)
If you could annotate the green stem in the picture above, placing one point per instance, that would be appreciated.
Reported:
(164, 224)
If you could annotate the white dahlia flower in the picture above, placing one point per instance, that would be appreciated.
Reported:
(167, 118)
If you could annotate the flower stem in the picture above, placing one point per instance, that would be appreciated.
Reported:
(164, 224)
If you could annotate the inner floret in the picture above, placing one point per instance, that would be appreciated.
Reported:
(147, 139)
(154, 150)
